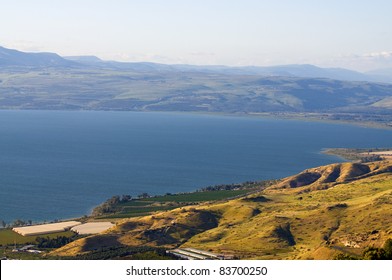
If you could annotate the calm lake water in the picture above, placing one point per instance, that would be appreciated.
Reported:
(56, 164)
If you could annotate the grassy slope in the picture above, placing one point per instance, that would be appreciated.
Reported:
(299, 218)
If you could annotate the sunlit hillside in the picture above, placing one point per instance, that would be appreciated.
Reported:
(339, 208)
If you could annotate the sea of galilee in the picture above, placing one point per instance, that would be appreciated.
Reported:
(61, 164)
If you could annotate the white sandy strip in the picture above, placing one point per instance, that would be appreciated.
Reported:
(46, 228)
(382, 153)
(92, 228)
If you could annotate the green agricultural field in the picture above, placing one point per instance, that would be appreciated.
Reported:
(135, 203)
(146, 206)
(199, 196)
(9, 237)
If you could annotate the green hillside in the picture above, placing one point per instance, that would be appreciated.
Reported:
(113, 89)
(317, 214)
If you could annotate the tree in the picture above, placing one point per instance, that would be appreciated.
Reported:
(143, 195)
(18, 223)
(388, 249)
(114, 200)
(372, 253)
(342, 256)
(126, 198)
(3, 224)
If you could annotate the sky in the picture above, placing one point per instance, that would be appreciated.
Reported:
(352, 34)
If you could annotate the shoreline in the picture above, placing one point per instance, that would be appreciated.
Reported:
(332, 205)
(359, 155)
(346, 154)
(247, 187)
(300, 116)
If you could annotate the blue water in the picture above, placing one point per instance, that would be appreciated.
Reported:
(56, 164)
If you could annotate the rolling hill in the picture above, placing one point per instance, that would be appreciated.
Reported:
(46, 81)
(317, 214)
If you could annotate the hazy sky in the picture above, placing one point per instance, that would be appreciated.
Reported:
(355, 34)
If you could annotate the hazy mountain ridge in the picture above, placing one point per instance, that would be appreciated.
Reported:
(292, 70)
(11, 58)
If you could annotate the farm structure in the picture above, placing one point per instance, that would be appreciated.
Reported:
(195, 254)
(92, 228)
(45, 228)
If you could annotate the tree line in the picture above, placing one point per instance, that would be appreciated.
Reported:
(16, 223)
(245, 185)
(125, 252)
(111, 205)
(57, 242)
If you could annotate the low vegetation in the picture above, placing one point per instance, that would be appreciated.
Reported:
(125, 253)
(54, 242)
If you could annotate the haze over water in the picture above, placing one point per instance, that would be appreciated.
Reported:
(56, 164)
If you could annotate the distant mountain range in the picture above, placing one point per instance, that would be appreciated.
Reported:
(49, 81)
(11, 58)
(293, 70)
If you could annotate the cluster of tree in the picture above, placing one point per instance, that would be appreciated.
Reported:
(245, 185)
(110, 205)
(3, 224)
(16, 223)
(143, 195)
(371, 253)
(47, 242)
(221, 188)
(125, 252)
